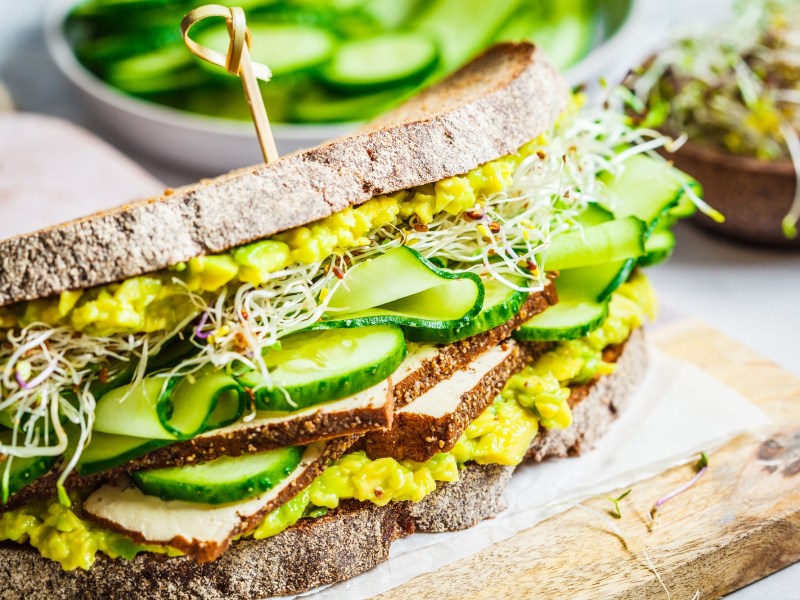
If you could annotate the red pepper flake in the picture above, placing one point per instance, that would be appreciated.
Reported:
(494, 227)
(421, 227)
(474, 215)
(492, 252)
(102, 376)
(378, 492)
(245, 315)
(338, 273)
(541, 154)
(532, 267)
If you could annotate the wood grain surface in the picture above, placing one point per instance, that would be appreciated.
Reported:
(739, 523)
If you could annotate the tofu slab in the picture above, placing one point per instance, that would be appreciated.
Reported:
(426, 365)
(202, 531)
(436, 419)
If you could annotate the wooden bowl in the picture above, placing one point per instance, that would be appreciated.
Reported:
(754, 195)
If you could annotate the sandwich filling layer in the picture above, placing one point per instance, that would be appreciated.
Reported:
(537, 396)
(465, 252)
(133, 413)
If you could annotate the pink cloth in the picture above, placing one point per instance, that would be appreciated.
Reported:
(53, 171)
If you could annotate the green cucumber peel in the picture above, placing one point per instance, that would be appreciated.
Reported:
(383, 61)
(171, 408)
(401, 287)
(462, 27)
(501, 303)
(621, 238)
(19, 472)
(577, 312)
(598, 282)
(107, 450)
(572, 317)
(225, 479)
(659, 247)
(649, 188)
(287, 48)
(316, 366)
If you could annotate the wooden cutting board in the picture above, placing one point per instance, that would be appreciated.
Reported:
(740, 522)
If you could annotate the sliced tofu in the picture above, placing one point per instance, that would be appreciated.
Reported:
(427, 364)
(367, 410)
(202, 531)
(436, 419)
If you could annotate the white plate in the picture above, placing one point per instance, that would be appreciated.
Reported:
(212, 145)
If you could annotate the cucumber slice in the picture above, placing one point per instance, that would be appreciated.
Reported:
(106, 451)
(500, 304)
(380, 62)
(284, 48)
(685, 207)
(571, 318)
(390, 14)
(312, 367)
(646, 189)
(565, 30)
(318, 106)
(163, 408)
(659, 247)
(599, 281)
(581, 306)
(608, 242)
(157, 66)
(594, 214)
(22, 471)
(404, 288)
(223, 480)
(462, 27)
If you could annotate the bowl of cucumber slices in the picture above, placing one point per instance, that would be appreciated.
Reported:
(335, 63)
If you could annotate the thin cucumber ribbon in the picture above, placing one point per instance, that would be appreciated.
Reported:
(171, 408)
(401, 287)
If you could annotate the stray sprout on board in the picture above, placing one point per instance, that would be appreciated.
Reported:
(616, 513)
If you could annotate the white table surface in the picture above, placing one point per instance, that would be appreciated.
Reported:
(752, 295)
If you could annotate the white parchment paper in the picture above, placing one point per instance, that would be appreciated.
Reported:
(678, 411)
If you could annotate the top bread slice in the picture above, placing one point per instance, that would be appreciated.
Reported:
(489, 108)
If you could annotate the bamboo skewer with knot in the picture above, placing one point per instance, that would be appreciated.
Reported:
(236, 61)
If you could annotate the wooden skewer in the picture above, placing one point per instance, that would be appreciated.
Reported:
(237, 62)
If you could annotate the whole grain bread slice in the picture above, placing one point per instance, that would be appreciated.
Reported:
(503, 99)
(346, 542)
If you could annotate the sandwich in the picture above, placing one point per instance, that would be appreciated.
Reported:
(251, 386)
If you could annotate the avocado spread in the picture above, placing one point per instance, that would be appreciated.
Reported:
(58, 533)
(159, 301)
(536, 396)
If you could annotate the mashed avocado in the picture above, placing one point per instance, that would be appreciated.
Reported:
(536, 396)
(60, 535)
(159, 301)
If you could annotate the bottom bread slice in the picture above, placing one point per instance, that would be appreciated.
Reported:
(340, 545)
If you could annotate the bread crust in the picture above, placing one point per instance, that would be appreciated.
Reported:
(348, 541)
(466, 120)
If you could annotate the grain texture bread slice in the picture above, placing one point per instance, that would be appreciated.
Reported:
(466, 120)
(340, 545)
